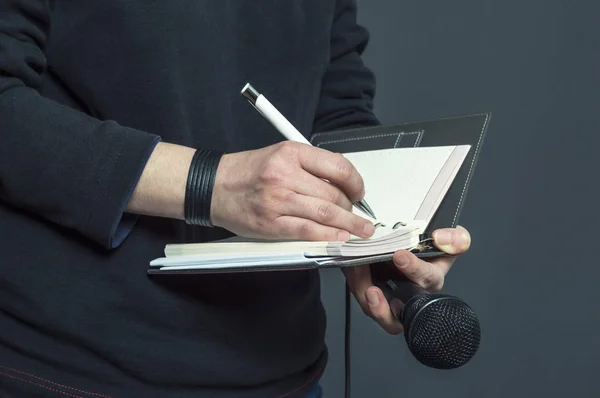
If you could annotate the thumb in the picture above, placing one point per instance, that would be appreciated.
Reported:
(452, 240)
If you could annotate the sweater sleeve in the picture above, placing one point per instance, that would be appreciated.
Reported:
(348, 86)
(55, 162)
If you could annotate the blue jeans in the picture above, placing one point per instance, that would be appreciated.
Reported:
(315, 392)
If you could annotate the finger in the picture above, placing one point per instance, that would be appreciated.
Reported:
(381, 312)
(359, 279)
(442, 263)
(427, 275)
(296, 228)
(327, 214)
(453, 241)
(371, 299)
(307, 184)
(335, 168)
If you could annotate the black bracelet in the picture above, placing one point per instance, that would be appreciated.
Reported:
(199, 188)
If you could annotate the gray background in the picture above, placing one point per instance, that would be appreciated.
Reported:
(532, 273)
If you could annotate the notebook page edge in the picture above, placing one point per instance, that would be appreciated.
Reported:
(441, 184)
(200, 260)
(231, 248)
(368, 163)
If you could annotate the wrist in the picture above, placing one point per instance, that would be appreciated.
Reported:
(160, 191)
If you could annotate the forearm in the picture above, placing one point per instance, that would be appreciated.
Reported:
(160, 190)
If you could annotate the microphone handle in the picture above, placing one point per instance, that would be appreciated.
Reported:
(394, 284)
(402, 289)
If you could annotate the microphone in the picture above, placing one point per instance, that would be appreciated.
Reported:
(441, 331)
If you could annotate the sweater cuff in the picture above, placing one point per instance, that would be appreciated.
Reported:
(121, 230)
(124, 222)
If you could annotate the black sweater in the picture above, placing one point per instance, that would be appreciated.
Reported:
(87, 88)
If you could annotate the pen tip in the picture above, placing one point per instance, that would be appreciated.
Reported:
(368, 208)
(365, 208)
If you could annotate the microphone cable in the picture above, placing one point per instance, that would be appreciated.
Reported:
(347, 322)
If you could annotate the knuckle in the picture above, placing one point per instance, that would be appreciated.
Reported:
(286, 196)
(262, 200)
(436, 287)
(263, 213)
(325, 212)
(305, 231)
(271, 173)
(427, 281)
(261, 224)
(287, 149)
(344, 168)
(267, 207)
(333, 195)
(257, 206)
(432, 282)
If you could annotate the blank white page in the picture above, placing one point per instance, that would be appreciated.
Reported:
(398, 180)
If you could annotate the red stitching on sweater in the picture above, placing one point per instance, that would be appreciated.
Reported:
(56, 384)
(317, 373)
(39, 385)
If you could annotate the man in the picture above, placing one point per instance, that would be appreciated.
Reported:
(109, 109)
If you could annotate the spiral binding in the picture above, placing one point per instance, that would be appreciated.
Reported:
(396, 225)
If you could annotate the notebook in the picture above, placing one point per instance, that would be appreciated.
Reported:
(404, 187)
(416, 175)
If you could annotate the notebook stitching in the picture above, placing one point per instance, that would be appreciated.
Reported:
(398, 139)
(477, 148)
(402, 133)
(412, 122)
(419, 138)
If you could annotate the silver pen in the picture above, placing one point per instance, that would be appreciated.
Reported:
(269, 112)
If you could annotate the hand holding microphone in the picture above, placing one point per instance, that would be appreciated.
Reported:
(441, 331)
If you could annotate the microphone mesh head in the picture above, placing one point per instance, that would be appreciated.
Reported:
(441, 331)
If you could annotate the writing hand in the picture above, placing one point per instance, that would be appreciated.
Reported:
(278, 192)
